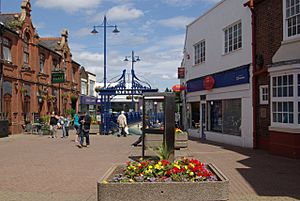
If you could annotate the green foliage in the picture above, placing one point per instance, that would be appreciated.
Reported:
(70, 111)
(45, 119)
(163, 152)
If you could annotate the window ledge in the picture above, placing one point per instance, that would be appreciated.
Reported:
(285, 129)
(232, 52)
(291, 40)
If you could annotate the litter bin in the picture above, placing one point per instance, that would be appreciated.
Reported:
(3, 128)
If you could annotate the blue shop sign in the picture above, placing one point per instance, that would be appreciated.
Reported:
(236, 76)
(88, 100)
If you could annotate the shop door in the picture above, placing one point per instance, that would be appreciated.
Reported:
(7, 110)
(203, 120)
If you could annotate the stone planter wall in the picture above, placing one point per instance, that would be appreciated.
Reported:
(155, 140)
(172, 191)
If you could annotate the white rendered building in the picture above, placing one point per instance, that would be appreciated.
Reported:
(217, 61)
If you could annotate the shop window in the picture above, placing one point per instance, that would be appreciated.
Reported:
(225, 116)
(199, 52)
(263, 94)
(285, 100)
(233, 37)
(292, 17)
(195, 114)
(7, 49)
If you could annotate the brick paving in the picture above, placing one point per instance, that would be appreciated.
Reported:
(36, 168)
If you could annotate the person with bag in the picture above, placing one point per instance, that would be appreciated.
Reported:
(53, 125)
(122, 121)
(85, 130)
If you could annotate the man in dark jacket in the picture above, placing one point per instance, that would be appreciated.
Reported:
(85, 130)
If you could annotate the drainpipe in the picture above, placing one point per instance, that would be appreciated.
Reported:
(250, 5)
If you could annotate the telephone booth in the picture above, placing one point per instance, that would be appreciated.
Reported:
(158, 123)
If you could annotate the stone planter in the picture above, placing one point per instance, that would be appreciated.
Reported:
(171, 191)
(94, 129)
(155, 140)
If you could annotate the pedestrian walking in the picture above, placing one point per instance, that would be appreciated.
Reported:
(65, 121)
(53, 125)
(76, 126)
(85, 130)
(122, 121)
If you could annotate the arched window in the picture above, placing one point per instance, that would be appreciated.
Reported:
(26, 48)
(42, 62)
(7, 49)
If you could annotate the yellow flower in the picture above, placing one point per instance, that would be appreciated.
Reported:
(191, 173)
(192, 165)
(139, 164)
(150, 166)
(177, 166)
(157, 166)
(186, 167)
(104, 182)
(159, 163)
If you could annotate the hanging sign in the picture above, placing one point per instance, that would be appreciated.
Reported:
(58, 77)
(181, 72)
(178, 88)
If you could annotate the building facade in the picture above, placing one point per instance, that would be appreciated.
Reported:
(217, 60)
(27, 62)
(88, 95)
(277, 47)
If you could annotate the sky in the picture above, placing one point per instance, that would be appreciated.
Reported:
(153, 29)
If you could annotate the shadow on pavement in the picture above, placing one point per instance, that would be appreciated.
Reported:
(267, 174)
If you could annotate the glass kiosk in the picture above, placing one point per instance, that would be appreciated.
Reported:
(158, 123)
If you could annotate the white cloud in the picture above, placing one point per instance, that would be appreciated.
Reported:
(176, 22)
(179, 3)
(68, 5)
(123, 13)
(82, 32)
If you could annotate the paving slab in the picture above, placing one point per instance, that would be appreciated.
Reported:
(36, 168)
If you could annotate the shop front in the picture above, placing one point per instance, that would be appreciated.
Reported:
(88, 104)
(219, 107)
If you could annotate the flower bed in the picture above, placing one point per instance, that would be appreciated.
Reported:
(186, 170)
(185, 179)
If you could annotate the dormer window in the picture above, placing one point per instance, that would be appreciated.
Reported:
(26, 48)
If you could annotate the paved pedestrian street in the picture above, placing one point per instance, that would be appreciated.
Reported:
(36, 168)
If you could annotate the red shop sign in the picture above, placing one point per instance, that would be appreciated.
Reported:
(208, 82)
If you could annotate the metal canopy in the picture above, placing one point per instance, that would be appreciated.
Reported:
(106, 94)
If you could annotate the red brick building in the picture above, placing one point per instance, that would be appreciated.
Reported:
(277, 75)
(28, 61)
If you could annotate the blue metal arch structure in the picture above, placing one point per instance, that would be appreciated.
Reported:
(138, 87)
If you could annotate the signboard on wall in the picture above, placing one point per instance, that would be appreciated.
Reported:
(58, 77)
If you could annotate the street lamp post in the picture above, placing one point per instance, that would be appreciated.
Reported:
(94, 31)
(133, 60)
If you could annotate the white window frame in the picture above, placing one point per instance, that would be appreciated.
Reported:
(226, 39)
(285, 25)
(295, 99)
(262, 101)
(7, 43)
(199, 56)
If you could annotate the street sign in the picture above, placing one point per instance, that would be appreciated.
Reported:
(58, 77)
